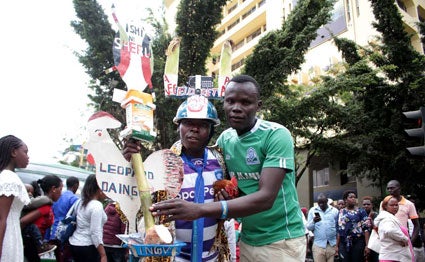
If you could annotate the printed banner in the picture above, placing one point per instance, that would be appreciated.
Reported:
(225, 70)
(133, 57)
(113, 173)
(171, 66)
(115, 176)
(204, 83)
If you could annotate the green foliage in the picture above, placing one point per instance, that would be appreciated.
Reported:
(196, 21)
(353, 115)
(277, 55)
(421, 26)
(281, 52)
(93, 27)
(196, 25)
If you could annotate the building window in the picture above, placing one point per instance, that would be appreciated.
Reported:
(261, 3)
(231, 9)
(347, 5)
(358, 7)
(233, 25)
(252, 10)
(321, 177)
(238, 45)
(402, 6)
(238, 64)
(253, 35)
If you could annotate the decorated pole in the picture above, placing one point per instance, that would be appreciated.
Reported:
(133, 60)
(144, 191)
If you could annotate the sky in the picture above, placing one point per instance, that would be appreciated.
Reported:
(43, 89)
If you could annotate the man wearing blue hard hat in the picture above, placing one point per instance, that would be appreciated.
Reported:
(196, 118)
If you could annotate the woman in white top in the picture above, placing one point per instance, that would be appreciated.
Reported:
(394, 239)
(13, 197)
(87, 240)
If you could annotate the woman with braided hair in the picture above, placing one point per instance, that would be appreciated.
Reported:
(13, 197)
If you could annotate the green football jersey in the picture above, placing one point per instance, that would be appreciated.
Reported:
(267, 144)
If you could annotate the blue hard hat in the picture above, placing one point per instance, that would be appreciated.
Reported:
(197, 107)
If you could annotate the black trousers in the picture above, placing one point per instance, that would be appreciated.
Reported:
(85, 253)
(355, 253)
(30, 248)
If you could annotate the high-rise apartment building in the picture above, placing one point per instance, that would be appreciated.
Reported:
(246, 21)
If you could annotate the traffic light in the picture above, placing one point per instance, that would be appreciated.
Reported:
(418, 117)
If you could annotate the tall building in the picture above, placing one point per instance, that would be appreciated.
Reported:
(246, 21)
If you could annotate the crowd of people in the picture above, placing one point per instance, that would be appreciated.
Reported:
(258, 154)
(30, 214)
(344, 232)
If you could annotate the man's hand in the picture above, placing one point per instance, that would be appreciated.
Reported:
(222, 195)
(131, 146)
(176, 209)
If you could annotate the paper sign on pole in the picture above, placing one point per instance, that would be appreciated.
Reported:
(133, 57)
(113, 173)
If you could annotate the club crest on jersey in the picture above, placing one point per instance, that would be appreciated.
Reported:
(252, 157)
(218, 174)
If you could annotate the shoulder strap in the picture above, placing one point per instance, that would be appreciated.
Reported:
(73, 209)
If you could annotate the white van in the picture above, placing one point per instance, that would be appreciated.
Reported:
(36, 171)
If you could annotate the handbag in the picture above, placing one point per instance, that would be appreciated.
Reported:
(67, 226)
(374, 242)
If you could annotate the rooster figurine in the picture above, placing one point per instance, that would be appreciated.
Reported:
(221, 243)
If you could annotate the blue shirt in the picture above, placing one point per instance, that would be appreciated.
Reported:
(60, 208)
(325, 229)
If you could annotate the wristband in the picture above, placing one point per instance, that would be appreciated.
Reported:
(223, 209)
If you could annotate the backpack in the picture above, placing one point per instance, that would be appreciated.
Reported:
(67, 226)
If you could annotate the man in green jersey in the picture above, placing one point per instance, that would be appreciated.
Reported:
(260, 154)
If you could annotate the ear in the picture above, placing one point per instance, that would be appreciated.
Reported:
(259, 105)
(13, 154)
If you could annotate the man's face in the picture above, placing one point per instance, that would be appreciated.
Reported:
(194, 133)
(241, 104)
(322, 203)
(393, 188)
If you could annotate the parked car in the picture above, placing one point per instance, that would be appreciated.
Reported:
(36, 171)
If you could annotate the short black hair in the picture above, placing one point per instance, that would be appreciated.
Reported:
(246, 78)
(321, 196)
(348, 192)
(71, 181)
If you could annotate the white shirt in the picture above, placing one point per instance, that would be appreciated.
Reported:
(90, 221)
(11, 185)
